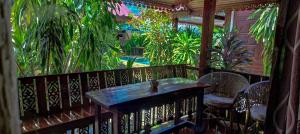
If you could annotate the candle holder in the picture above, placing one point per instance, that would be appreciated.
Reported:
(154, 85)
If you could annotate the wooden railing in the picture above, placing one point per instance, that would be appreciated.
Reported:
(52, 94)
(44, 96)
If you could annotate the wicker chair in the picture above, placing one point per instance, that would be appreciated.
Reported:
(257, 96)
(225, 87)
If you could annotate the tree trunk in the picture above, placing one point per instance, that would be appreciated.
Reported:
(9, 113)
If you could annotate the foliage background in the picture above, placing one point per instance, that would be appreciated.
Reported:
(186, 46)
(229, 52)
(263, 30)
(158, 32)
(61, 36)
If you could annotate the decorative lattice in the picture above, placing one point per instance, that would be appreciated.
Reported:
(128, 123)
(169, 72)
(149, 74)
(84, 130)
(147, 117)
(179, 72)
(159, 114)
(137, 75)
(93, 82)
(131, 121)
(75, 90)
(110, 79)
(53, 94)
(161, 73)
(28, 98)
(124, 77)
(165, 72)
(147, 120)
(104, 127)
(170, 110)
(123, 124)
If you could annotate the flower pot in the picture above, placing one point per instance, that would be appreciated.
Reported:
(154, 85)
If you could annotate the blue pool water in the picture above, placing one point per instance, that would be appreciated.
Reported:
(140, 60)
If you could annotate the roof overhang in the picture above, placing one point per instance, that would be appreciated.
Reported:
(195, 7)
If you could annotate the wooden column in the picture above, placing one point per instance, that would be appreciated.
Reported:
(9, 110)
(175, 24)
(229, 20)
(98, 120)
(207, 34)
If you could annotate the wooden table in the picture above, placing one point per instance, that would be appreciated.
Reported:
(133, 96)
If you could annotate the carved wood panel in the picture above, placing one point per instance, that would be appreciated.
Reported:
(75, 90)
(124, 77)
(110, 78)
(137, 75)
(28, 96)
(149, 74)
(53, 92)
(93, 81)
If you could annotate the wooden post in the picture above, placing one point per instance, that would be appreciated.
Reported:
(229, 20)
(207, 34)
(9, 110)
(116, 120)
(98, 120)
(175, 24)
(199, 113)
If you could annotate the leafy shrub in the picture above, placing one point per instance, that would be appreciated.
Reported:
(229, 52)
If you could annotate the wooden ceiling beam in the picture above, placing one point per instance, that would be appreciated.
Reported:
(198, 13)
(196, 23)
(221, 4)
(154, 4)
(246, 5)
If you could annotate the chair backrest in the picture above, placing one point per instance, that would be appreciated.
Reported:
(224, 83)
(258, 93)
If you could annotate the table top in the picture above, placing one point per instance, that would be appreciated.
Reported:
(111, 97)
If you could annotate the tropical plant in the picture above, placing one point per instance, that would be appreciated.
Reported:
(41, 29)
(186, 47)
(218, 34)
(136, 40)
(58, 36)
(264, 31)
(157, 29)
(130, 63)
(229, 53)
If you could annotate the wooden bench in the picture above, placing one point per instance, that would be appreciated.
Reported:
(63, 121)
(57, 103)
